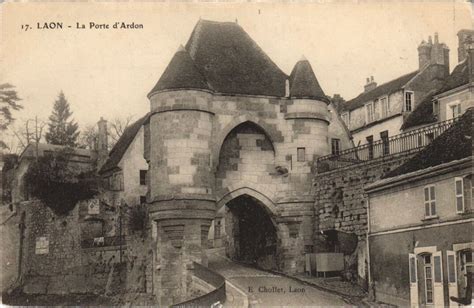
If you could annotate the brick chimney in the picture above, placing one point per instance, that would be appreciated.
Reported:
(370, 85)
(102, 142)
(465, 36)
(433, 53)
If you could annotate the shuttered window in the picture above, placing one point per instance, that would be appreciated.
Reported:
(430, 201)
(451, 268)
(412, 269)
(459, 191)
(437, 269)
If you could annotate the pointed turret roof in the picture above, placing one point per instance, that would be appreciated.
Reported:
(232, 62)
(181, 73)
(303, 82)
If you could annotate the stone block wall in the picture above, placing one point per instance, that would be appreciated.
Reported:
(341, 205)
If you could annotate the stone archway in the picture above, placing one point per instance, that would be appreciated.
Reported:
(252, 234)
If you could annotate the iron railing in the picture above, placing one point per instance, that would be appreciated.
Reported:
(411, 141)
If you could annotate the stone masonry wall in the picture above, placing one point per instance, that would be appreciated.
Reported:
(341, 204)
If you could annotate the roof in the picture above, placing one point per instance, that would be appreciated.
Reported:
(229, 60)
(381, 90)
(458, 77)
(304, 84)
(31, 148)
(119, 149)
(422, 114)
(181, 73)
(454, 144)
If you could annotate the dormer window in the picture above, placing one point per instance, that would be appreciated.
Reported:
(408, 101)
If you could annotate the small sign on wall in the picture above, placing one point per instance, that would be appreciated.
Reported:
(93, 207)
(42, 245)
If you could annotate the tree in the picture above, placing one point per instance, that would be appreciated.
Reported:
(89, 134)
(61, 130)
(8, 101)
(118, 126)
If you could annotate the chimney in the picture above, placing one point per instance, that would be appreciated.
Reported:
(102, 142)
(370, 85)
(424, 53)
(465, 38)
(433, 53)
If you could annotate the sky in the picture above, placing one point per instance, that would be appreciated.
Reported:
(108, 72)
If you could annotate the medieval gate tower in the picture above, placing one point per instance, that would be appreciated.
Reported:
(229, 129)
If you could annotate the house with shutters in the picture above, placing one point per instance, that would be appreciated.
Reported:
(421, 224)
(455, 96)
(380, 111)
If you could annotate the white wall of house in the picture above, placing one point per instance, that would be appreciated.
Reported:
(391, 125)
(464, 97)
(131, 164)
(404, 205)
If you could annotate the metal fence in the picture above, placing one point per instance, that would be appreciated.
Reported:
(411, 141)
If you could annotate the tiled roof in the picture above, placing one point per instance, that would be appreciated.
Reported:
(304, 84)
(422, 114)
(458, 77)
(181, 73)
(229, 61)
(122, 145)
(383, 89)
(454, 144)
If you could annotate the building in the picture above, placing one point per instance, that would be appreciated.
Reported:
(230, 131)
(380, 111)
(421, 224)
(456, 94)
(124, 169)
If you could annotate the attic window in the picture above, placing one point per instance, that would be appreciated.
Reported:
(408, 101)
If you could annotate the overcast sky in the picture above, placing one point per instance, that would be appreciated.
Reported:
(109, 72)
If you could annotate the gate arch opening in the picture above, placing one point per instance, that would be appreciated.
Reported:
(253, 236)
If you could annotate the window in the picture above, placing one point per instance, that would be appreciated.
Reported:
(142, 199)
(430, 201)
(408, 100)
(369, 112)
(459, 191)
(143, 177)
(385, 106)
(376, 109)
(335, 146)
(428, 280)
(385, 142)
(346, 118)
(454, 110)
(93, 207)
(370, 146)
(300, 154)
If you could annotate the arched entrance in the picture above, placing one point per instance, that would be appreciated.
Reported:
(252, 232)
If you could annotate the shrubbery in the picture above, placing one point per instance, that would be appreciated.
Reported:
(60, 183)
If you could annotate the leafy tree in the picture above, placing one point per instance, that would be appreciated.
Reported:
(61, 130)
(8, 101)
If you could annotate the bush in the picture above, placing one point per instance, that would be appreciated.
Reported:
(59, 183)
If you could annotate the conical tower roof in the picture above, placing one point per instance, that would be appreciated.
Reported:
(181, 73)
(304, 84)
